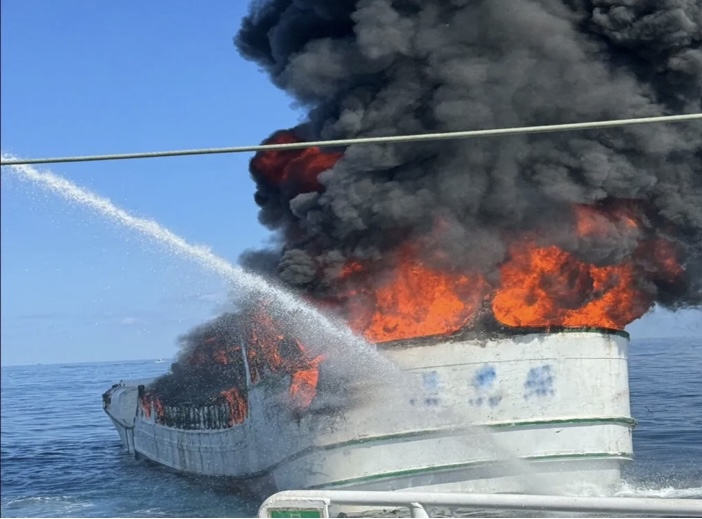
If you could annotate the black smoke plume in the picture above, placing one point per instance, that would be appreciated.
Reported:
(388, 67)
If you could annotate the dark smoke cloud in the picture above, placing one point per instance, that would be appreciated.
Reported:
(262, 262)
(384, 67)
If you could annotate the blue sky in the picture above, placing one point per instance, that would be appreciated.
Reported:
(85, 77)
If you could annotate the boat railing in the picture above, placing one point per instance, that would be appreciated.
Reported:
(189, 417)
(316, 503)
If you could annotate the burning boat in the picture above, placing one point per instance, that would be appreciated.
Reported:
(524, 412)
(515, 365)
(515, 368)
(498, 276)
(517, 383)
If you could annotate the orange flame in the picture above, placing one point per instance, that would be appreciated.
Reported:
(546, 286)
(146, 406)
(413, 300)
(303, 387)
(296, 169)
(149, 400)
(160, 409)
(265, 340)
(238, 407)
(303, 383)
(270, 350)
(539, 286)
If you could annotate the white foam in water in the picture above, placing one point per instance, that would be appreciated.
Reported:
(45, 506)
(669, 492)
(317, 330)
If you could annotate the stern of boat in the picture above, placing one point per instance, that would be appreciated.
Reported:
(537, 413)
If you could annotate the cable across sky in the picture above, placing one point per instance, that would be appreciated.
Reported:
(497, 132)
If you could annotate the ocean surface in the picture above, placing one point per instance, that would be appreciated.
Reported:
(61, 456)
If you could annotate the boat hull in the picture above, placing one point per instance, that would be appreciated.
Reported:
(536, 413)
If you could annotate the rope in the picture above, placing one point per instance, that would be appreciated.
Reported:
(498, 132)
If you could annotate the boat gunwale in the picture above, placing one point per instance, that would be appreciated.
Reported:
(502, 333)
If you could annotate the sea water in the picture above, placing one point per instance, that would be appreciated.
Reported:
(62, 457)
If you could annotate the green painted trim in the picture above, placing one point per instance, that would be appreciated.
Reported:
(440, 433)
(624, 420)
(475, 464)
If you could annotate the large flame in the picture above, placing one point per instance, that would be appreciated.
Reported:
(547, 286)
(539, 285)
(412, 300)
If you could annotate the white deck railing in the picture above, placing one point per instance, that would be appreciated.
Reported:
(308, 503)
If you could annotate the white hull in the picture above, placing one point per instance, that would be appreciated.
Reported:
(535, 413)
